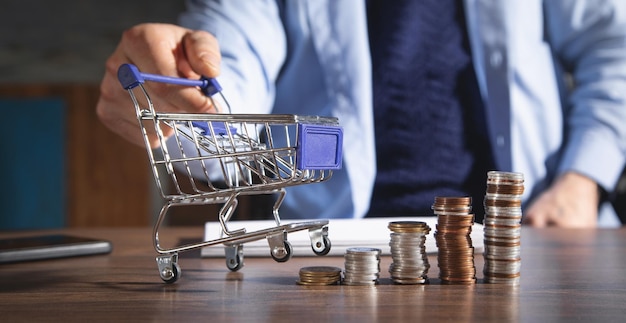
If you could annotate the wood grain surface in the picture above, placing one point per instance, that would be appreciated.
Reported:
(567, 275)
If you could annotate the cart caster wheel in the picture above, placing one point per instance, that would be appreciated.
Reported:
(171, 275)
(282, 255)
(234, 264)
(234, 257)
(326, 249)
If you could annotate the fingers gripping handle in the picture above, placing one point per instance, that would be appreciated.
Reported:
(130, 77)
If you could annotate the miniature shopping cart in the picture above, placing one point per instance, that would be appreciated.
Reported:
(215, 158)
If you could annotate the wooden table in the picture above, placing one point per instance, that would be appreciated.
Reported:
(567, 275)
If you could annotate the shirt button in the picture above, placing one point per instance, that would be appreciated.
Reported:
(500, 140)
(495, 59)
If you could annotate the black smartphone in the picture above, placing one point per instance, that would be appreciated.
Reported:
(50, 246)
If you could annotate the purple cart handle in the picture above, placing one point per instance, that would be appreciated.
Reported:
(130, 77)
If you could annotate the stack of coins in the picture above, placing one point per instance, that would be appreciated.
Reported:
(455, 256)
(408, 252)
(362, 266)
(502, 227)
(319, 275)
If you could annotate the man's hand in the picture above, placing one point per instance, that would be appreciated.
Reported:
(571, 201)
(157, 49)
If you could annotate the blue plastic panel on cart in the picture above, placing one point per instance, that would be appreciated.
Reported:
(219, 128)
(319, 147)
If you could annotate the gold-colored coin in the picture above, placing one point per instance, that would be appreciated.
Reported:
(319, 275)
(320, 270)
(409, 226)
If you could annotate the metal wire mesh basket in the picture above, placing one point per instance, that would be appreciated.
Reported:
(215, 158)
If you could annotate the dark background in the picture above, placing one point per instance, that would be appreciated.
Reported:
(62, 41)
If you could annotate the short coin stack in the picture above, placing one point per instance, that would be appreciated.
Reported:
(502, 227)
(362, 266)
(455, 256)
(408, 252)
(319, 275)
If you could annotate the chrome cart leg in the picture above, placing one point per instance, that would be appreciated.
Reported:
(280, 248)
(169, 270)
(280, 197)
(157, 226)
(320, 243)
(226, 212)
(234, 256)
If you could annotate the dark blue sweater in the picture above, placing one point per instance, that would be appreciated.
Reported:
(429, 121)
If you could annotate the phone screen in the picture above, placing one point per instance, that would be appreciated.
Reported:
(50, 246)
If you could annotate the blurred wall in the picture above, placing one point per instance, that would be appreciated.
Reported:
(61, 41)
(54, 52)
(56, 49)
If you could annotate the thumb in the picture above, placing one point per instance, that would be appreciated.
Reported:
(203, 53)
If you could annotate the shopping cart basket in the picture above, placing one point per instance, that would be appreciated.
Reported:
(219, 157)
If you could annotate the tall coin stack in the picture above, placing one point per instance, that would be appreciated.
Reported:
(455, 256)
(362, 266)
(502, 227)
(408, 252)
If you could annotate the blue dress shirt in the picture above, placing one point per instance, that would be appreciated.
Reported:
(551, 73)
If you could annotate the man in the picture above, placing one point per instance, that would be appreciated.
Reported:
(313, 57)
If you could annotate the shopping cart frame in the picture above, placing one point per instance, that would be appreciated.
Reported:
(251, 162)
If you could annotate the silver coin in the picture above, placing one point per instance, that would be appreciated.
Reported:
(363, 251)
(503, 211)
(410, 281)
(503, 281)
(359, 283)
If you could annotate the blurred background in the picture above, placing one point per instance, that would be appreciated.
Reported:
(60, 166)
(67, 41)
